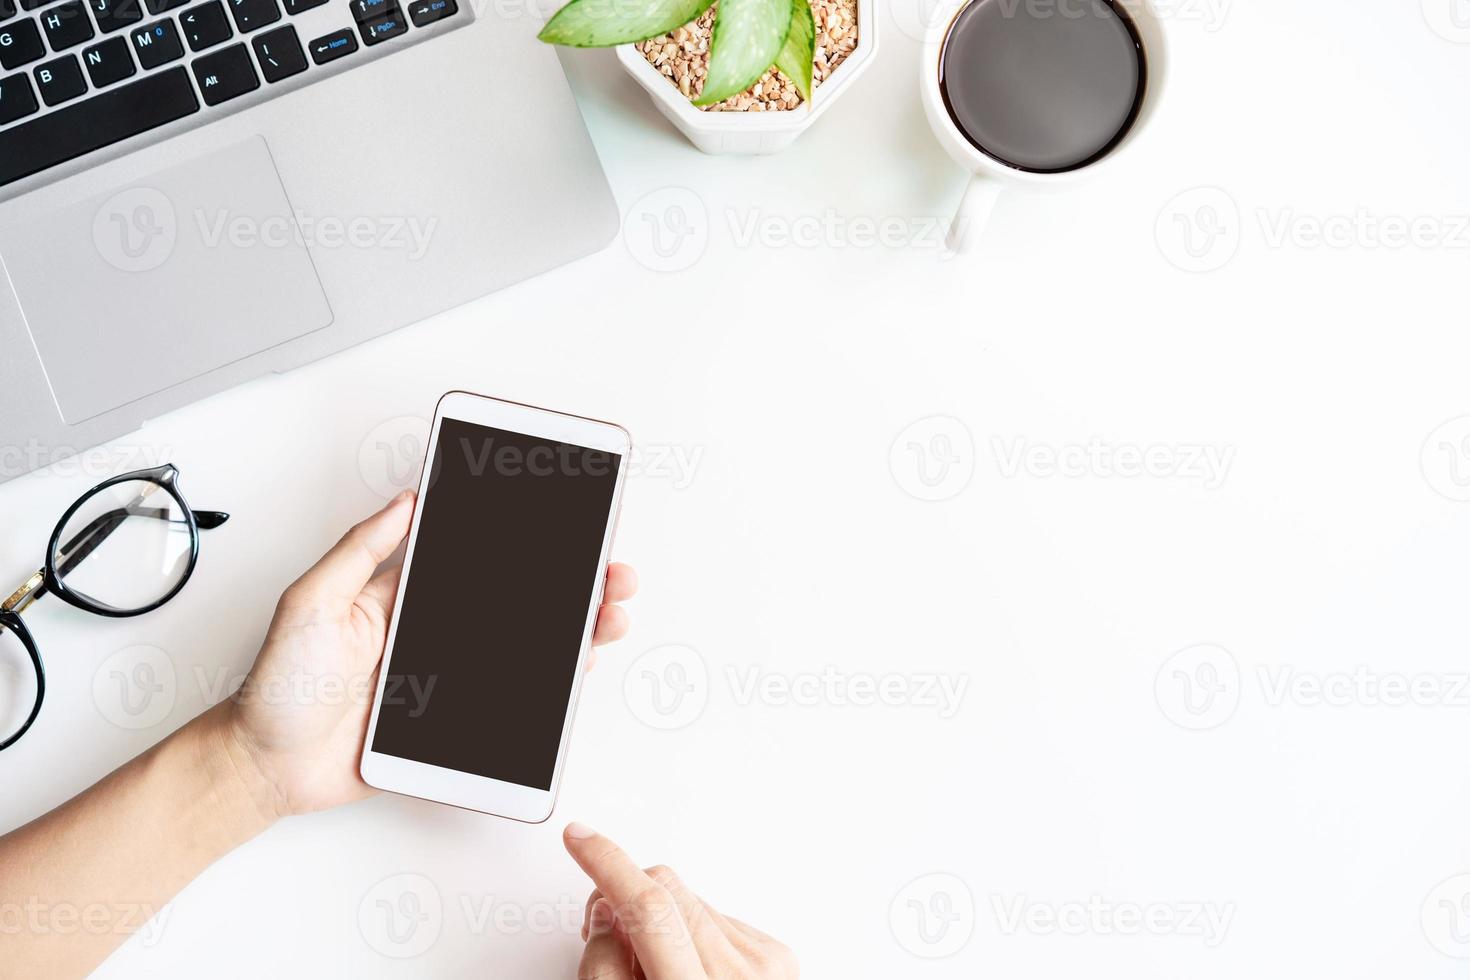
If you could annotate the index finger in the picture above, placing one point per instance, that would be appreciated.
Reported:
(648, 911)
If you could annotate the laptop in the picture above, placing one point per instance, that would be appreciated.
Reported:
(193, 194)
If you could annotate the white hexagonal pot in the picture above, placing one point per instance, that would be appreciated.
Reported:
(753, 132)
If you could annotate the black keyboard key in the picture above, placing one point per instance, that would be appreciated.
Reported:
(20, 44)
(383, 28)
(279, 53)
(157, 44)
(16, 98)
(333, 46)
(366, 10)
(109, 116)
(7, 11)
(205, 26)
(423, 12)
(251, 14)
(297, 6)
(109, 62)
(32, 4)
(157, 7)
(114, 15)
(67, 24)
(60, 80)
(226, 74)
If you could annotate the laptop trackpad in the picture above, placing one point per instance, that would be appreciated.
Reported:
(179, 273)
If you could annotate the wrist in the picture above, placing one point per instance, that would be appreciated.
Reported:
(243, 795)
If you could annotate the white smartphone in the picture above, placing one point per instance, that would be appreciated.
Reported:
(502, 581)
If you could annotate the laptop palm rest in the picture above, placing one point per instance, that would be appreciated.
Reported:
(163, 280)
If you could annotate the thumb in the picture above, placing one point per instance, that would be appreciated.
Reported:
(606, 956)
(343, 571)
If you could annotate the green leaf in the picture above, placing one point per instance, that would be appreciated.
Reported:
(747, 37)
(606, 23)
(795, 59)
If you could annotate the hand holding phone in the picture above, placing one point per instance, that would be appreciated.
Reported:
(296, 726)
(496, 606)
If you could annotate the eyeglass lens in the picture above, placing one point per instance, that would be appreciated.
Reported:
(127, 546)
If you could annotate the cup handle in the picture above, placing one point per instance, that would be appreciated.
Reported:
(976, 205)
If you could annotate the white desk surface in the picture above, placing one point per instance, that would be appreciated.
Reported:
(1322, 831)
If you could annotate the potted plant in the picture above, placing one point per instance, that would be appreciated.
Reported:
(735, 76)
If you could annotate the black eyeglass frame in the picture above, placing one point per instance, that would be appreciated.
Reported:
(51, 579)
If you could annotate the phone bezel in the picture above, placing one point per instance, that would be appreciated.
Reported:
(450, 786)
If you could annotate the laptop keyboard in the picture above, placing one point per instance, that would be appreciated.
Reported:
(81, 75)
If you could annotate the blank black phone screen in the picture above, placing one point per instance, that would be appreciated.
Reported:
(503, 570)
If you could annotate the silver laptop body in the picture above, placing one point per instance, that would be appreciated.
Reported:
(406, 161)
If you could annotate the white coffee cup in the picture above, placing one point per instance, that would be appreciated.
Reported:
(991, 176)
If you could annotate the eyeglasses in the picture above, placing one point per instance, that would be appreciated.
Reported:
(124, 549)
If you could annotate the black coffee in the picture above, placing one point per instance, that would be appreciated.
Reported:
(1043, 85)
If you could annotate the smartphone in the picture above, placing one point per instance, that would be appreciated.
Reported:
(502, 580)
